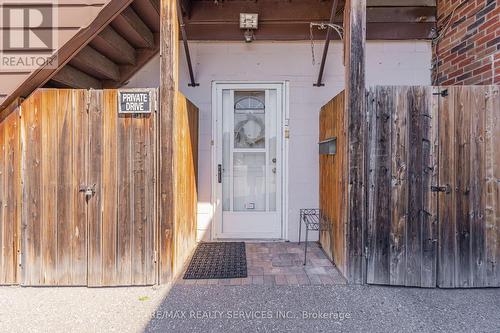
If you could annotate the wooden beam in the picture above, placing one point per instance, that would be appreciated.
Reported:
(132, 28)
(73, 78)
(127, 71)
(95, 64)
(355, 106)
(169, 47)
(149, 11)
(301, 11)
(109, 43)
(300, 31)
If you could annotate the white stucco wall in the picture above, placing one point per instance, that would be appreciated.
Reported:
(388, 63)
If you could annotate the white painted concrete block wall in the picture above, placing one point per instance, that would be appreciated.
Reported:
(388, 63)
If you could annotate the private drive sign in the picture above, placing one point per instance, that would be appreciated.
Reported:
(135, 101)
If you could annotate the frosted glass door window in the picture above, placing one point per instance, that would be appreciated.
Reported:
(249, 150)
(249, 120)
(249, 182)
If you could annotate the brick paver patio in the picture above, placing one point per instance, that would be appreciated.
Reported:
(281, 263)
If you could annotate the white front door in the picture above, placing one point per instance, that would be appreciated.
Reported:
(248, 170)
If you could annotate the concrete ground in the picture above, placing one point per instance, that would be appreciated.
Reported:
(251, 308)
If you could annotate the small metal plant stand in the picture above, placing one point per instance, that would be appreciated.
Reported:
(313, 220)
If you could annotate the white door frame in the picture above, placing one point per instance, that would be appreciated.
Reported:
(217, 218)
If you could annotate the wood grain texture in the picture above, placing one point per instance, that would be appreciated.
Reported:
(169, 47)
(402, 166)
(448, 238)
(10, 201)
(79, 152)
(468, 215)
(31, 174)
(123, 169)
(381, 111)
(185, 181)
(399, 188)
(72, 142)
(54, 224)
(333, 185)
(355, 106)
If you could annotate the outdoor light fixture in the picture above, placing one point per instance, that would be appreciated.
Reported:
(249, 22)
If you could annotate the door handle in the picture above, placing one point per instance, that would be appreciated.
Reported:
(219, 173)
(89, 191)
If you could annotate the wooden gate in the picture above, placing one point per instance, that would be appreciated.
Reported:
(88, 214)
(469, 171)
(433, 186)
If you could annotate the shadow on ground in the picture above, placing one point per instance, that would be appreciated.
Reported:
(326, 309)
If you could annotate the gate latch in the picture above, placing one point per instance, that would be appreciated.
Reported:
(446, 189)
(88, 190)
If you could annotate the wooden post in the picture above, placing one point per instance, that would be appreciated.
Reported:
(168, 87)
(355, 106)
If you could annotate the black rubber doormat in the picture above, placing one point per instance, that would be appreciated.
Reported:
(214, 260)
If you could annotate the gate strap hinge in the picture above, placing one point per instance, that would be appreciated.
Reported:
(446, 189)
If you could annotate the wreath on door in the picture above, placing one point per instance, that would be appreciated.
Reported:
(250, 131)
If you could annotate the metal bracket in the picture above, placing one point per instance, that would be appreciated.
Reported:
(446, 189)
(442, 93)
(88, 190)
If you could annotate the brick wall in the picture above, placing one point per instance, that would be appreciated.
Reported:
(468, 49)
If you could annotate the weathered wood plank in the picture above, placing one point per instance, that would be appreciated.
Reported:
(333, 174)
(185, 207)
(399, 190)
(138, 198)
(462, 158)
(446, 202)
(382, 191)
(109, 188)
(169, 81)
(95, 178)
(476, 186)
(371, 102)
(492, 187)
(49, 187)
(32, 190)
(9, 198)
(416, 101)
(381, 109)
(355, 40)
(151, 197)
(63, 135)
(428, 215)
(79, 152)
(125, 198)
